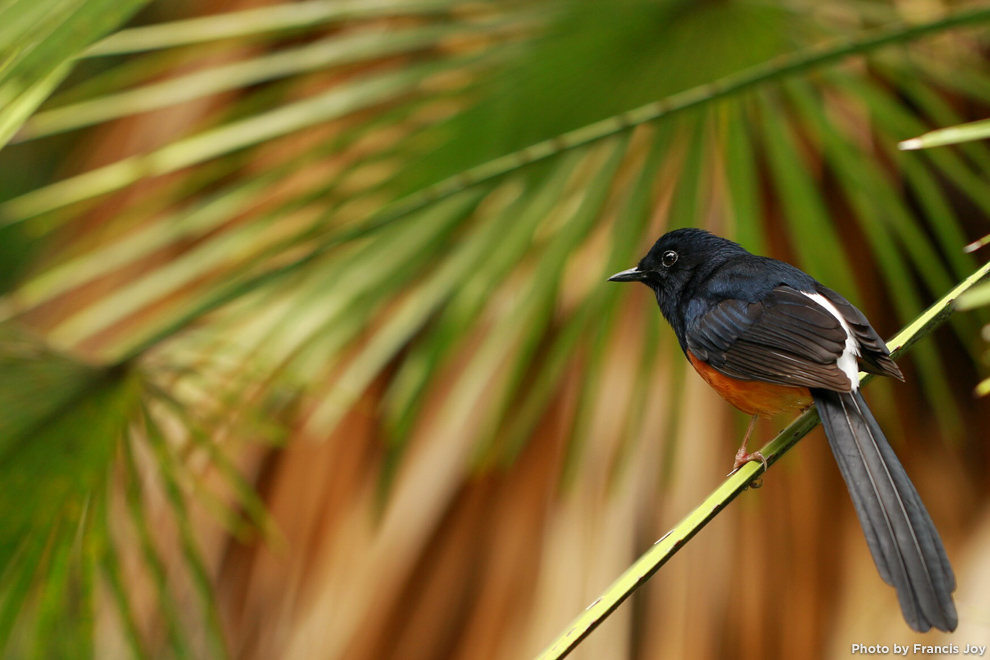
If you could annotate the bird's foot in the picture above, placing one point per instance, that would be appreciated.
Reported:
(743, 457)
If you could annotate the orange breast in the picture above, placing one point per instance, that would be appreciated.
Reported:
(752, 396)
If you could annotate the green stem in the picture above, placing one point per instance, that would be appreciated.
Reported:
(661, 551)
(766, 72)
(773, 69)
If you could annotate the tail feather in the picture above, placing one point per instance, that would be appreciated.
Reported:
(902, 538)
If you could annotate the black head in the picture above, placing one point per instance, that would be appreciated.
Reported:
(675, 260)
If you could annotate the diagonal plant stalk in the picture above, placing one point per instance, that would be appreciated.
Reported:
(172, 157)
(665, 548)
(773, 70)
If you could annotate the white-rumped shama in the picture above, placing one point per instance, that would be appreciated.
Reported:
(770, 338)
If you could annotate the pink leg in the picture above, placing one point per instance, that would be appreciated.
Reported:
(742, 456)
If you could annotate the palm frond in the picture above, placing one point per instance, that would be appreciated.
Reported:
(38, 42)
(977, 130)
(375, 234)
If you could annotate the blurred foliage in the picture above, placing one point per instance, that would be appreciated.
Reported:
(39, 40)
(350, 254)
(969, 132)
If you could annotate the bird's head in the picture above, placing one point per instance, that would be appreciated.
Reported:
(675, 258)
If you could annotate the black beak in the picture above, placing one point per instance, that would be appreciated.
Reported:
(631, 275)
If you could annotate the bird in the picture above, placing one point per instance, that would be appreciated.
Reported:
(769, 338)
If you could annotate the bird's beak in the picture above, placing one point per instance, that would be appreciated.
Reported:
(631, 275)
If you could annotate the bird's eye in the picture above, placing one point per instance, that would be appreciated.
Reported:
(669, 258)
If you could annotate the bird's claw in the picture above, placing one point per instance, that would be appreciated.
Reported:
(742, 457)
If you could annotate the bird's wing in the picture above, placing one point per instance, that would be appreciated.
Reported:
(872, 349)
(786, 339)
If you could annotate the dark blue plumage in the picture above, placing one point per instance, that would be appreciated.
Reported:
(762, 332)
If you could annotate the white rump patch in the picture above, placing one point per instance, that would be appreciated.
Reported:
(847, 361)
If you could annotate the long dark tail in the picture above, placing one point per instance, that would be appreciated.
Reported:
(905, 544)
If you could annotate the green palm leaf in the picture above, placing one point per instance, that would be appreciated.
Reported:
(380, 230)
(37, 44)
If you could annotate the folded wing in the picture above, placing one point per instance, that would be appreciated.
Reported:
(786, 339)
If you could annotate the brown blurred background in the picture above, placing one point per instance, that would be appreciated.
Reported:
(258, 408)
